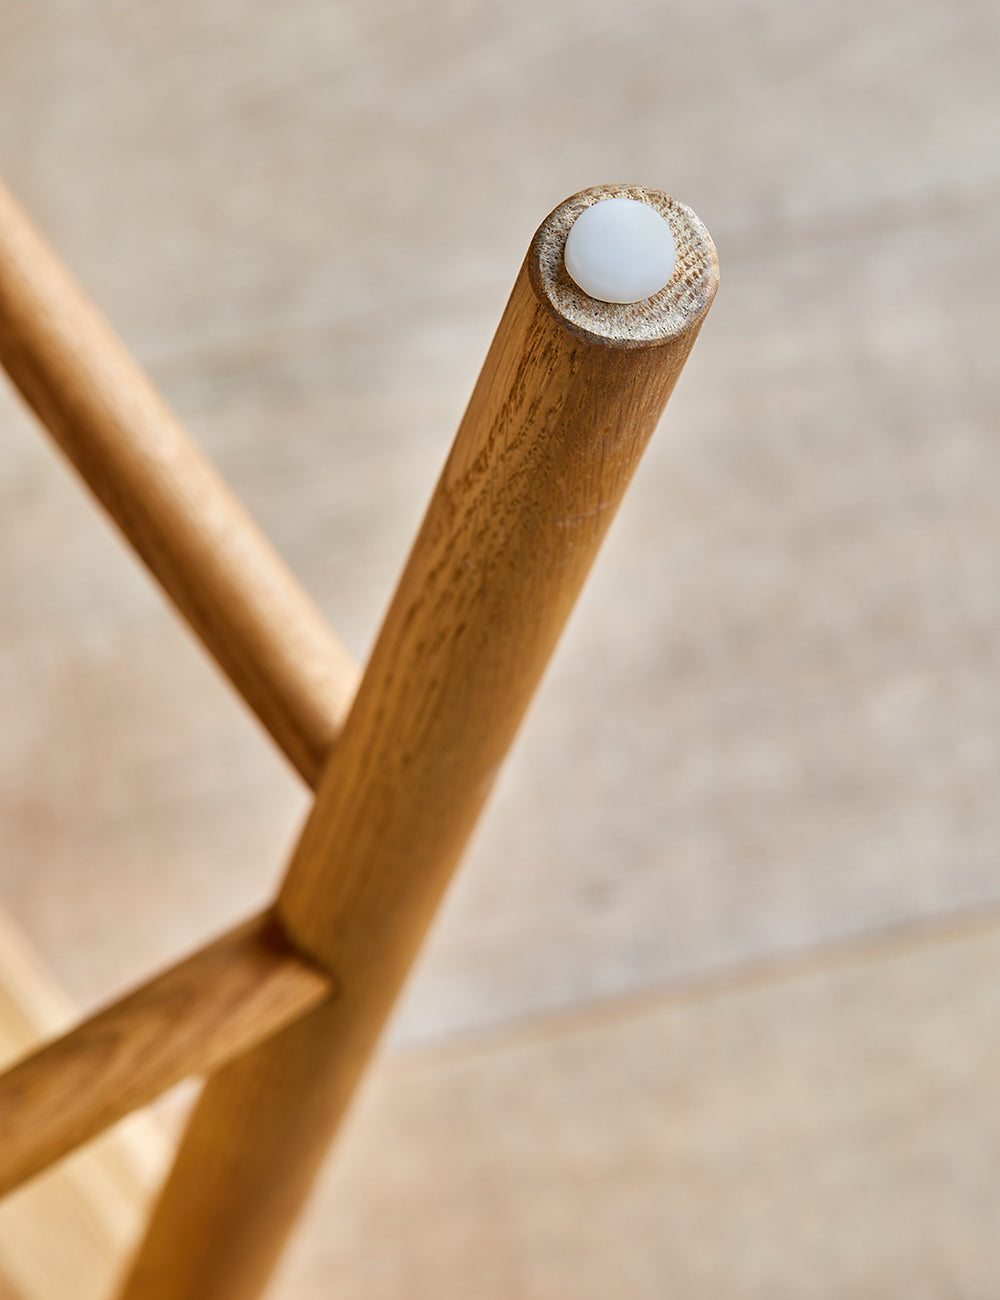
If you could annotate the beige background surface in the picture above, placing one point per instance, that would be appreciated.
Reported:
(773, 728)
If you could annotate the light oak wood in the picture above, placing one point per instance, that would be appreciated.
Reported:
(795, 623)
(66, 1234)
(189, 1020)
(217, 567)
(569, 395)
(790, 553)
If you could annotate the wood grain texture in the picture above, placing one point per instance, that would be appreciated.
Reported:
(795, 619)
(568, 397)
(192, 533)
(68, 1232)
(794, 622)
(189, 1020)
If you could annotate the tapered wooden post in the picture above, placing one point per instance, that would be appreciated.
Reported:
(568, 397)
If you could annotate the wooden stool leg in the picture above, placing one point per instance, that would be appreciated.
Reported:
(568, 397)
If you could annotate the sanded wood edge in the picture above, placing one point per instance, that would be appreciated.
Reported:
(195, 537)
(190, 1019)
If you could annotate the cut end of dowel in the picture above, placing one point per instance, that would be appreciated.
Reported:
(625, 266)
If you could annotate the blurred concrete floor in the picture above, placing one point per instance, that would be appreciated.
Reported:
(713, 1008)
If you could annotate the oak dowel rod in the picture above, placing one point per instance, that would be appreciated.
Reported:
(169, 501)
(189, 1020)
(569, 395)
(66, 1234)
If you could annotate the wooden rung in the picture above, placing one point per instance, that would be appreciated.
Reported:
(169, 501)
(68, 1233)
(189, 1020)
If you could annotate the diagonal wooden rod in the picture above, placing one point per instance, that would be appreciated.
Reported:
(67, 1233)
(169, 501)
(190, 1019)
(568, 397)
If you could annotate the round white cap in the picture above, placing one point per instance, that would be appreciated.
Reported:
(620, 250)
